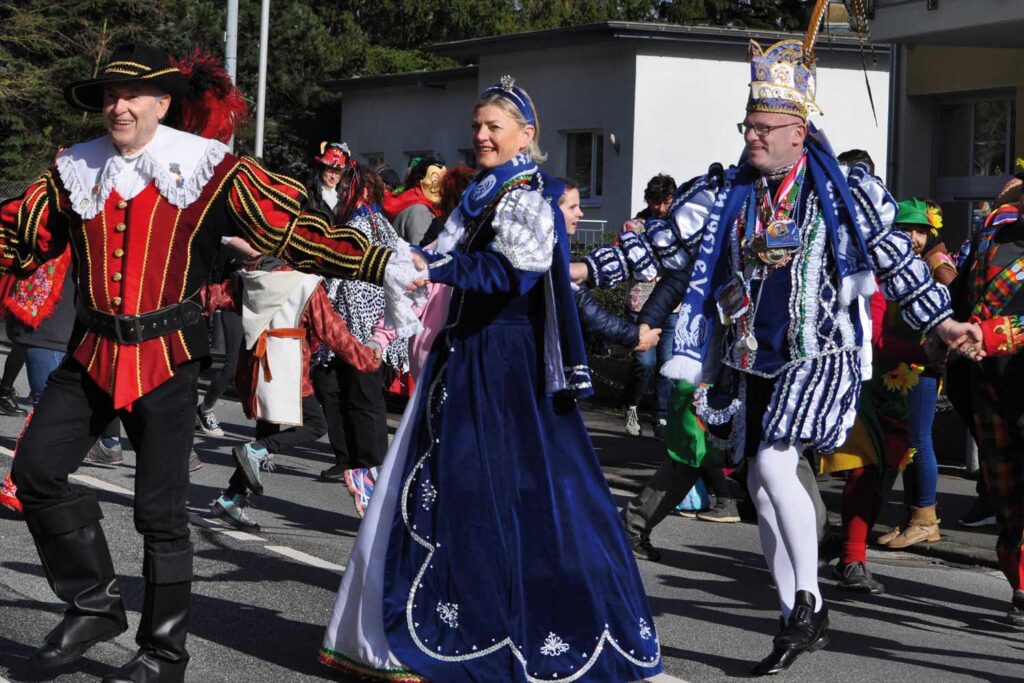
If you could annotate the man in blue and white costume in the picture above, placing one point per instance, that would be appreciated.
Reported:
(778, 249)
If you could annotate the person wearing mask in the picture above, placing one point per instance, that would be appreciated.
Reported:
(412, 210)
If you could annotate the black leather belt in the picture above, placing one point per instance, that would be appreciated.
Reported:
(135, 329)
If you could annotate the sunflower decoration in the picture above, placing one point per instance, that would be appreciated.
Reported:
(934, 214)
(901, 379)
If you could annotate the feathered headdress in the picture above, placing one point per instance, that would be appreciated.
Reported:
(214, 106)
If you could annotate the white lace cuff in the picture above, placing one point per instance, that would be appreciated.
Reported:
(398, 275)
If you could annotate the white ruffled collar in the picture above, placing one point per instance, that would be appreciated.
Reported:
(179, 163)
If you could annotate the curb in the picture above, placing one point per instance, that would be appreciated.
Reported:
(957, 553)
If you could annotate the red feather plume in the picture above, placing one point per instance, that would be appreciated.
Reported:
(214, 106)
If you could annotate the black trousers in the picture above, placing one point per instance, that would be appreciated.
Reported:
(353, 402)
(277, 439)
(231, 325)
(73, 412)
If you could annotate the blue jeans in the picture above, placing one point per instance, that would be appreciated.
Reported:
(648, 362)
(921, 477)
(40, 363)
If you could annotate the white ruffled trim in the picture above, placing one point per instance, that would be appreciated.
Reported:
(91, 170)
(857, 285)
(681, 367)
(399, 273)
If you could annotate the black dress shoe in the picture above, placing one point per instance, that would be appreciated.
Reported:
(336, 473)
(9, 402)
(804, 632)
(856, 577)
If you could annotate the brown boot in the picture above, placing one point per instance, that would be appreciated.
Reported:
(923, 526)
(889, 536)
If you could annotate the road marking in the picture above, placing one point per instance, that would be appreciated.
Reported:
(211, 524)
(305, 558)
(220, 527)
(102, 485)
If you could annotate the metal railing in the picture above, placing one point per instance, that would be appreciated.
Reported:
(589, 232)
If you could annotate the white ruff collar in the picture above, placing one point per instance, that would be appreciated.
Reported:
(180, 164)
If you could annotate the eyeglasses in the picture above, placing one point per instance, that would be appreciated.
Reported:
(761, 130)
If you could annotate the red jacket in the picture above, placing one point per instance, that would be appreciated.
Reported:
(143, 254)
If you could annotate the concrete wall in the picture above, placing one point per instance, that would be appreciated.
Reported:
(394, 120)
(690, 97)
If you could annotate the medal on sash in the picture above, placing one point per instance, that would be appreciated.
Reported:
(775, 244)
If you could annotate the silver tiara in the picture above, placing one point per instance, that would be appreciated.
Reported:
(507, 82)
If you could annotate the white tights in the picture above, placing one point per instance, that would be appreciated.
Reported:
(786, 522)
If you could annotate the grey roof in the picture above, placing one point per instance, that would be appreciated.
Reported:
(634, 30)
(422, 79)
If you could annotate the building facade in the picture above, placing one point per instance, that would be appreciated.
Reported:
(958, 90)
(618, 103)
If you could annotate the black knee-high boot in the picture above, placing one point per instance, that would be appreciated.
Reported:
(77, 563)
(161, 657)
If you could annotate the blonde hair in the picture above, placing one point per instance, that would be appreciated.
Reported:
(512, 110)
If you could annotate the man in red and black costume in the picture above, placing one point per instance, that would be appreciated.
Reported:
(144, 209)
(987, 395)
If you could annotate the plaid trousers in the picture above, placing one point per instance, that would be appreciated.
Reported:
(1001, 451)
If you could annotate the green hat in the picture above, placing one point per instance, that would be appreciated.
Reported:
(913, 212)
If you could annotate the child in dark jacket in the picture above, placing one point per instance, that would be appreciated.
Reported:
(594, 319)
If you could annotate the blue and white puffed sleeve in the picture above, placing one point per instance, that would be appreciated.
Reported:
(668, 244)
(904, 277)
(518, 256)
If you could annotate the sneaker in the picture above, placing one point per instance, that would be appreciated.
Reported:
(233, 511)
(724, 510)
(1016, 614)
(660, 427)
(643, 550)
(980, 514)
(207, 422)
(104, 456)
(9, 402)
(334, 473)
(194, 463)
(856, 577)
(632, 421)
(252, 460)
(355, 482)
(688, 514)
(9, 495)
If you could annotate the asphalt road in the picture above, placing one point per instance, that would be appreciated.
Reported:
(261, 601)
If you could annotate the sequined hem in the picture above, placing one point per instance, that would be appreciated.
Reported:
(336, 660)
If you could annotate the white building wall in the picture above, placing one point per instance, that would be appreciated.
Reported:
(395, 120)
(687, 107)
(587, 87)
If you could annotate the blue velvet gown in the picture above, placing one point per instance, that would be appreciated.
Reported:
(507, 560)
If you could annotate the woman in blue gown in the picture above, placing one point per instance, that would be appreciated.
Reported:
(492, 549)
